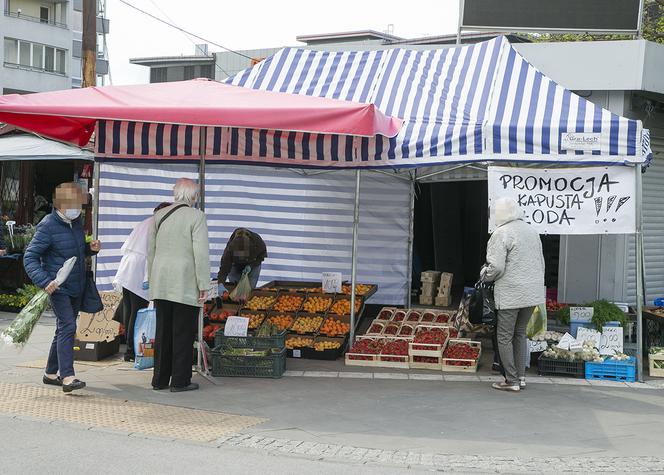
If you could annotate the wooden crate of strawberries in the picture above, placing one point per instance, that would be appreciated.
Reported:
(378, 352)
(462, 356)
(426, 349)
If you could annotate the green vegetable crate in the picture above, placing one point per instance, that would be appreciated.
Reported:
(257, 342)
(271, 366)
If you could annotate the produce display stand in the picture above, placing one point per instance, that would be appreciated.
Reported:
(462, 364)
(559, 367)
(612, 370)
(656, 365)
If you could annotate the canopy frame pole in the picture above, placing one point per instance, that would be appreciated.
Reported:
(411, 240)
(393, 175)
(202, 146)
(96, 172)
(353, 268)
(451, 169)
(639, 271)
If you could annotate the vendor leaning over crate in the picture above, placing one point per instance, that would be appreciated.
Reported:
(516, 264)
(244, 249)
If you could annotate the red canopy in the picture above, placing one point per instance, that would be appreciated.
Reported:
(70, 115)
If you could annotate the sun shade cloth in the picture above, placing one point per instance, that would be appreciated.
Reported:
(71, 115)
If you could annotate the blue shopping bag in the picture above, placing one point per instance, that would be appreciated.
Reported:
(144, 334)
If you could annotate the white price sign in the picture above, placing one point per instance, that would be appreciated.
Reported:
(537, 346)
(331, 282)
(236, 326)
(581, 314)
(213, 292)
(566, 341)
(588, 334)
(612, 341)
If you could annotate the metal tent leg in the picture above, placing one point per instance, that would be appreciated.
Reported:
(353, 271)
(639, 271)
(411, 238)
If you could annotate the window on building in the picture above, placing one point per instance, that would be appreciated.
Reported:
(189, 72)
(207, 71)
(24, 53)
(49, 63)
(11, 50)
(44, 14)
(158, 74)
(38, 56)
(60, 61)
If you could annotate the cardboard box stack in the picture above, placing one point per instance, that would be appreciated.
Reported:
(444, 297)
(430, 282)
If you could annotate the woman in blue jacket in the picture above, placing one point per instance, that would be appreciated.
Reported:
(59, 237)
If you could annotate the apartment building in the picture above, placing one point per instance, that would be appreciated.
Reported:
(41, 43)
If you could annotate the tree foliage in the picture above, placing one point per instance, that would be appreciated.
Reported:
(653, 28)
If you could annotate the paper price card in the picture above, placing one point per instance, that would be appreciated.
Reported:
(331, 282)
(611, 341)
(589, 334)
(566, 341)
(581, 314)
(236, 326)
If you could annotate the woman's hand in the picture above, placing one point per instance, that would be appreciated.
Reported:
(202, 296)
(52, 287)
(95, 246)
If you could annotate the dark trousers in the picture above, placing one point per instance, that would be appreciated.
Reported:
(61, 356)
(174, 342)
(131, 304)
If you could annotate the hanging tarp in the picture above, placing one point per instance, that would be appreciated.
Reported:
(306, 221)
(472, 103)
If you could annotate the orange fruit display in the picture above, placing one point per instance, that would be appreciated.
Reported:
(255, 319)
(360, 289)
(299, 342)
(283, 322)
(306, 324)
(334, 327)
(342, 307)
(260, 302)
(327, 345)
(288, 303)
(317, 304)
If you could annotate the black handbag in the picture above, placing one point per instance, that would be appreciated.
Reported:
(91, 301)
(481, 308)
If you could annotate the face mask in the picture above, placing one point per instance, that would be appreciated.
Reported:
(72, 213)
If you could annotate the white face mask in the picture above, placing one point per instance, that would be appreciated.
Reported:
(72, 213)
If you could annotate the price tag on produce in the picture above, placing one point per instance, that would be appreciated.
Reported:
(297, 353)
(537, 346)
(588, 334)
(612, 341)
(575, 346)
(565, 341)
(581, 314)
(236, 326)
(331, 282)
(213, 293)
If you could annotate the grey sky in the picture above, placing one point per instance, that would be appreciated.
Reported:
(257, 24)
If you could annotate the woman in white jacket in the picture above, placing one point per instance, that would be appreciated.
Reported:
(516, 264)
(131, 274)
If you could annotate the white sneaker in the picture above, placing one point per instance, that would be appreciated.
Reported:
(522, 383)
(503, 386)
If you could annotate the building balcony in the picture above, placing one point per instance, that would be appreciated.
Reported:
(34, 19)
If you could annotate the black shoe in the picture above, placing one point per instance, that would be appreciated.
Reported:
(129, 358)
(74, 386)
(53, 382)
(496, 367)
(191, 387)
(159, 388)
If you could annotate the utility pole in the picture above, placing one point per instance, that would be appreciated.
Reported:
(89, 43)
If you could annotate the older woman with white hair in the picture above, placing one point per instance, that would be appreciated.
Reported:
(179, 279)
(516, 264)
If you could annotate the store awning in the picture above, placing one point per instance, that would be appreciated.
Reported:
(25, 146)
(482, 102)
(72, 115)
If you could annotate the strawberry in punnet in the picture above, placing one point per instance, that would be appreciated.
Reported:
(385, 315)
(391, 330)
(413, 317)
(399, 316)
(463, 352)
(442, 318)
(406, 330)
(428, 317)
(396, 348)
(436, 337)
(376, 328)
(365, 347)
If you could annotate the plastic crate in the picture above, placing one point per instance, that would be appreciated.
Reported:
(255, 342)
(271, 366)
(610, 370)
(551, 366)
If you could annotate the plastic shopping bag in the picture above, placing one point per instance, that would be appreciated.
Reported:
(145, 329)
(537, 322)
(481, 308)
(242, 290)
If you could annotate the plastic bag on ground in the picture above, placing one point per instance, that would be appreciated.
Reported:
(145, 329)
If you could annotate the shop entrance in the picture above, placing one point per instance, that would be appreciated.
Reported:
(451, 232)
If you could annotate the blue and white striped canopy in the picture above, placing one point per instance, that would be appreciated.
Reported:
(482, 102)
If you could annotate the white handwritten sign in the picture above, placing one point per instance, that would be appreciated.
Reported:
(566, 341)
(213, 292)
(537, 346)
(589, 334)
(581, 314)
(612, 341)
(591, 200)
(236, 326)
(331, 282)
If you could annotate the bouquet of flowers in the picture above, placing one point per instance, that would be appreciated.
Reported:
(19, 331)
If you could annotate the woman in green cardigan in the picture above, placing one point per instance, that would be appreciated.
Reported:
(179, 280)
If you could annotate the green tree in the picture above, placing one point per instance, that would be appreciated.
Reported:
(653, 28)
